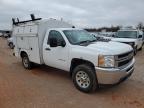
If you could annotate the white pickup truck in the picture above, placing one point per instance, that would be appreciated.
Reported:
(57, 44)
(130, 36)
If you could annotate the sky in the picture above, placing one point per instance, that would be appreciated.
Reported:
(81, 13)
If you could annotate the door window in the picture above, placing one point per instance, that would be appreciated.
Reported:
(55, 34)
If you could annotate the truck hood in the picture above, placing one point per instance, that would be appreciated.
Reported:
(123, 40)
(109, 48)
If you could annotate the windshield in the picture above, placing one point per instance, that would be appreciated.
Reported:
(127, 34)
(79, 36)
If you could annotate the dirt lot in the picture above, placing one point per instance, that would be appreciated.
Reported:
(45, 87)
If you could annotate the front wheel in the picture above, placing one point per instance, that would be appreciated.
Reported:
(26, 63)
(84, 78)
(141, 47)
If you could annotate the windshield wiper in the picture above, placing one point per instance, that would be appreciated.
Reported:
(125, 37)
(87, 41)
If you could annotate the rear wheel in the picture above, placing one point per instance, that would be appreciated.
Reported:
(25, 61)
(84, 78)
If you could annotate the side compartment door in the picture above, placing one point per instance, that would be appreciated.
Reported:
(55, 56)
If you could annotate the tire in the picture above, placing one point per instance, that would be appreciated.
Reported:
(84, 78)
(11, 45)
(135, 50)
(141, 47)
(26, 62)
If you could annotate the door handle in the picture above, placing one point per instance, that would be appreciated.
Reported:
(48, 49)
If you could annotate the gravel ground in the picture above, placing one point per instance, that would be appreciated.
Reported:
(45, 87)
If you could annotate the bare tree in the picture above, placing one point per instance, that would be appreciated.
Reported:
(140, 26)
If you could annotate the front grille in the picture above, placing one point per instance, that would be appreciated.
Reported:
(124, 59)
(122, 63)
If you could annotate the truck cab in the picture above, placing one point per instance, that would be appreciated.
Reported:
(132, 37)
(75, 50)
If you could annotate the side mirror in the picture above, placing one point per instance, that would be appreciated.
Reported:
(140, 36)
(63, 44)
(113, 35)
(53, 42)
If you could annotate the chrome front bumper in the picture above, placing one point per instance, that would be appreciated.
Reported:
(114, 75)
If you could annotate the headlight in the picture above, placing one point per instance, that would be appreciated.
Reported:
(106, 61)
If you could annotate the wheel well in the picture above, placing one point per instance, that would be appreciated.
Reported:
(75, 62)
(23, 53)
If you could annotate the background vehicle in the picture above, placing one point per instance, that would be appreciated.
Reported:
(108, 35)
(57, 44)
(130, 36)
(1, 34)
(10, 42)
(104, 36)
(5, 35)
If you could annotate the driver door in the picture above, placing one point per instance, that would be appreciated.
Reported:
(56, 56)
